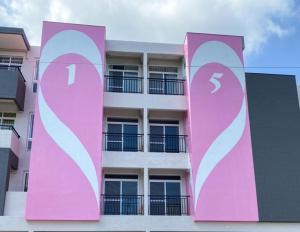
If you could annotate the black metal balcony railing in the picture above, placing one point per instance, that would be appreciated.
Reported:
(122, 204)
(9, 127)
(168, 205)
(13, 68)
(167, 143)
(123, 142)
(166, 86)
(124, 84)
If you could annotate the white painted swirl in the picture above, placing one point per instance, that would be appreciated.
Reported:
(221, 53)
(69, 42)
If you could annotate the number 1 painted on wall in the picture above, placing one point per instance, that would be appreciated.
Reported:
(72, 70)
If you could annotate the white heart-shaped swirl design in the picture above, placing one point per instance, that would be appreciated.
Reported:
(219, 52)
(62, 43)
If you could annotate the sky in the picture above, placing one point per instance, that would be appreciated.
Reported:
(271, 28)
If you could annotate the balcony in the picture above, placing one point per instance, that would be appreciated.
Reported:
(122, 204)
(12, 88)
(9, 138)
(168, 205)
(133, 205)
(123, 142)
(13, 39)
(9, 152)
(166, 86)
(126, 84)
(167, 143)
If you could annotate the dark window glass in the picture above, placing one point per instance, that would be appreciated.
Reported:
(130, 140)
(130, 82)
(114, 137)
(34, 87)
(171, 139)
(165, 198)
(112, 198)
(173, 200)
(120, 198)
(157, 198)
(156, 138)
(129, 198)
(115, 82)
(171, 85)
(156, 83)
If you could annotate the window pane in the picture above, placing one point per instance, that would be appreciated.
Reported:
(172, 69)
(156, 139)
(120, 67)
(4, 59)
(157, 68)
(114, 128)
(173, 199)
(16, 61)
(131, 74)
(157, 198)
(131, 67)
(129, 198)
(130, 82)
(34, 87)
(156, 83)
(129, 188)
(8, 122)
(114, 137)
(26, 176)
(156, 75)
(170, 76)
(31, 121)
(112, 188)
(112, 198)
(115, 81)
(172, 189)
(171, 139)
(130, 139)
(9, 115)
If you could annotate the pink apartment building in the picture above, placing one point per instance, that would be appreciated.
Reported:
(108, 135)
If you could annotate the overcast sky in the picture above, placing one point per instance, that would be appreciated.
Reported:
(271, 27)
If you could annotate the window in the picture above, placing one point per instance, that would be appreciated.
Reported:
(121, 195)
(36, 76)
(162, 80)
(30, 131)
(25, 181)
(7, 119)
(164, 136)
(122, 134)
(123, 78)
(11, 60)
(165, 195)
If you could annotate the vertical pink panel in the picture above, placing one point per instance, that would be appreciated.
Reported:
(65, 167)
(222, 180)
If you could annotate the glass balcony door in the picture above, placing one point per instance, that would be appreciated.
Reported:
(123, 78)
(164, 138)
(121, 197)
(165, 198)
(122, 137)
(162, 80)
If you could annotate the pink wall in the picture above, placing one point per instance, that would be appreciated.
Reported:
(222, 182)
(65, 167)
